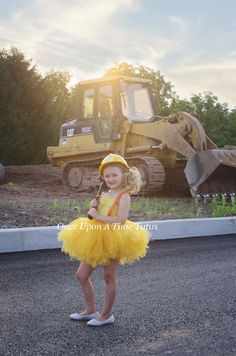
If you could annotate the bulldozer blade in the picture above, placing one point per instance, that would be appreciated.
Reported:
(213, 169)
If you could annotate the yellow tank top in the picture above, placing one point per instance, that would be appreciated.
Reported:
(105, 205)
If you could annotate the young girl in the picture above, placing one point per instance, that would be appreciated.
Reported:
(108, 239)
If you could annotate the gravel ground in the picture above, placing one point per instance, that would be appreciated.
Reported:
(179, 300)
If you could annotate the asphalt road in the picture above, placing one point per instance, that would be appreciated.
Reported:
(179, 300)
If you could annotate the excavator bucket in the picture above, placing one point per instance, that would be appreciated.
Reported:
(212, 171)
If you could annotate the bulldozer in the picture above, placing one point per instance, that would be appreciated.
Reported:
(116, 115)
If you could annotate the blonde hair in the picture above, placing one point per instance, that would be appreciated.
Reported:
(131, 181)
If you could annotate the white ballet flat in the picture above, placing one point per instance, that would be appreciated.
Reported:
(95, 322)
(86, 317)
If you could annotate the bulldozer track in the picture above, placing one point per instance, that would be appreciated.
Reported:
(152, 172)
(83, 176)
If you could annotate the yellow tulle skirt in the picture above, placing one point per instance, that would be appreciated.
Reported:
(96, 243)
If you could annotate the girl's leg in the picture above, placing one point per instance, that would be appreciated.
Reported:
(110, 289)
(83, 273)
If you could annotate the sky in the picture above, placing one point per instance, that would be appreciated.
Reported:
(192, 43)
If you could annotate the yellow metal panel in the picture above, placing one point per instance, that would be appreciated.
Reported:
(166, 133)
(84, 142)
(76, 145)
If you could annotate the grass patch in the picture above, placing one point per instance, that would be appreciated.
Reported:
(44, 212)
(223, 206)
(171, 208)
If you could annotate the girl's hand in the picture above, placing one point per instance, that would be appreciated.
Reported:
(94, 203)
(93, 212)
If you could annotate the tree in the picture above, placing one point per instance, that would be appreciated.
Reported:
(178, 104)
(55, 103)
(19, 91)
(31, 109)
(74, 102)
(232, 127)
(218, 122)
(214, 117)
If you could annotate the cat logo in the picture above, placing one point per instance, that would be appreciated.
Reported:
(70, 132)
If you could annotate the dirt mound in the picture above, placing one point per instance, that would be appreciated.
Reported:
(33, 195)
(34, 181)
(34, 175)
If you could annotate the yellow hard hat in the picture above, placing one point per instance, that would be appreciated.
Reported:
(112, 158)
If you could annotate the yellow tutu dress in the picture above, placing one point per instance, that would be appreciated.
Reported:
(96, 242)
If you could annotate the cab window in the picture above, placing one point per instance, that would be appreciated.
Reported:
(88, 103)
(105, 103)
(105, 111)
